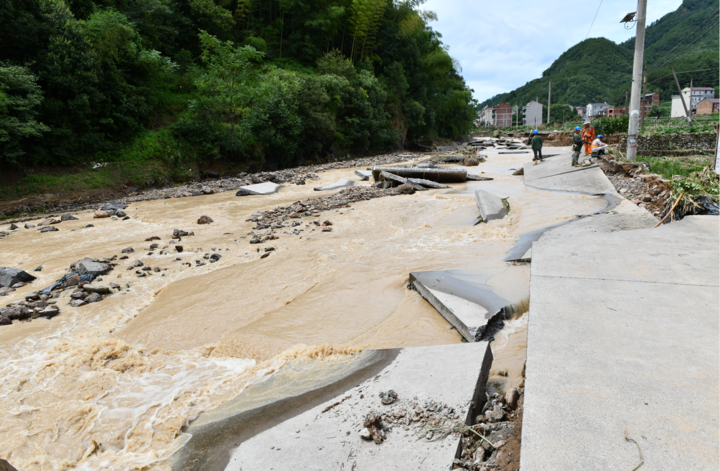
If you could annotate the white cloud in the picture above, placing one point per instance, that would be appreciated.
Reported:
(501, 46)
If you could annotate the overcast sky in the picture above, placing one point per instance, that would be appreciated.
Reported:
(503, 45)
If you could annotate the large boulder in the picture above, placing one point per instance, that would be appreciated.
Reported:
(89, 267)
(10, 276)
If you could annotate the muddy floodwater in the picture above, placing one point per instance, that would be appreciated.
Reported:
(110, 385)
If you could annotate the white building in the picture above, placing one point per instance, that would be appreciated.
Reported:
(487, 116)
(691, 100)
(594, 109)
(533, 114)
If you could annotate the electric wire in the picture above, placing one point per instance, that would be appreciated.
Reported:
(593, 21)
(686, 38)
(678, 54)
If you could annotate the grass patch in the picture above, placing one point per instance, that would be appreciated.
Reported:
(153, 158)
(669, 166)
(695, 176)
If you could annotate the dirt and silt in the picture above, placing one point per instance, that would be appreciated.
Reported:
(111, 384)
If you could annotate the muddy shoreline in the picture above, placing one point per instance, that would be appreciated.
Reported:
(28, 209)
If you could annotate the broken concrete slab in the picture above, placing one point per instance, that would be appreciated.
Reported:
(518, 151)
(557, 173)
(342, 183)
(427, 183)
(478, 178)
(266, 188)
(619, 215)
(491, 206)
(440, 175)
(400, 181)
(10, 276)
(462, 298)
(628, 322)
(363, 174)
(318, 430)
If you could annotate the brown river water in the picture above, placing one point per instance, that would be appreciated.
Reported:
(111, 384)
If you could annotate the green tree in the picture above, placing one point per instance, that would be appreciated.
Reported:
(229, 77)
(20, 97)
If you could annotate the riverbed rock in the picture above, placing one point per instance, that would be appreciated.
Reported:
(177, 233)
(68, 217)
(78, 302)
(13, 227)
(93, 298)
(11, 276)
(113, 207)
(204, 220)
(5, 321)
(179, 248)
(38, 268)
(49, 312)
(127, 250)
(121, 214)
(29, 225)
(99, 214)
(49, 229)
(405, 189)
(90, 267)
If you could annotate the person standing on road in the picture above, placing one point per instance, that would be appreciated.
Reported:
(577, 146)
(588, 135)
(599, 147)
(537, 147)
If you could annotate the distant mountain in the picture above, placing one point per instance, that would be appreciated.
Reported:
(599, 70)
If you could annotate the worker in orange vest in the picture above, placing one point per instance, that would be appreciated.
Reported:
(588, 136)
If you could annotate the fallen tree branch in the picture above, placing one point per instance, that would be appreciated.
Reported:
(671, 210)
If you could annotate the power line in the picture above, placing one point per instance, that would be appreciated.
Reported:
(676, 55)
(686, 38)
(593, 21)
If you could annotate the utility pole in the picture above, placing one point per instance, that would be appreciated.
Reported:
(637, 76)
(642, 100)
(549, 95)
(682, 98)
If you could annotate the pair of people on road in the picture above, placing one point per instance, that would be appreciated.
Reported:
(596, 146)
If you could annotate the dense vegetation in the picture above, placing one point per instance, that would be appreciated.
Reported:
(598, 70)
(260, 83)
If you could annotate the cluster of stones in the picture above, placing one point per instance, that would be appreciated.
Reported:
(287, 216)
(43, 303)
(495, 423)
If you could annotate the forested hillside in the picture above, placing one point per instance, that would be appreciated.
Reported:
(268, 83)
(598, 70)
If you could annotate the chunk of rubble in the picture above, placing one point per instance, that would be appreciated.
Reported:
(342, 183)
(266, 188)
(491, 206)
(401, 181)
(478, 178)
(427, 183)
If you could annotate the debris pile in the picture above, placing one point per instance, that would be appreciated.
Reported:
(494, 441)
(648, 191)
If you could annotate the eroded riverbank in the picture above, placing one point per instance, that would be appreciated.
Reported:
(111, 384)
